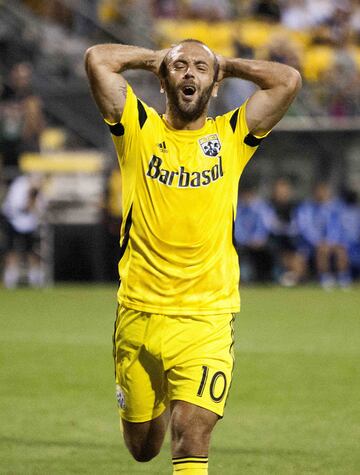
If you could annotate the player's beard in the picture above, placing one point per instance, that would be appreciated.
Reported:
(187, 111)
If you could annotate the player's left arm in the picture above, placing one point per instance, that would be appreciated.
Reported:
(278, 85)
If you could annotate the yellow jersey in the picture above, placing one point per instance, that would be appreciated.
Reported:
(179, 199)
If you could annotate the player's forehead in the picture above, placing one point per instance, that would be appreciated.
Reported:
(191, 51)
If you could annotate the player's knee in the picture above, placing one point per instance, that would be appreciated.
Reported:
(142, 452)
(144, 455)
(187, 436)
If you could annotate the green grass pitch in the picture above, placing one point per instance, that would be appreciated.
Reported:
(294, 406)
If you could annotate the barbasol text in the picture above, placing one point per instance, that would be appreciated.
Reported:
(183, 178)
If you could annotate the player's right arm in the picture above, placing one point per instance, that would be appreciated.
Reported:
(104, 65)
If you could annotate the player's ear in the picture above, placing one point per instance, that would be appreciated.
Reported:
(162, 87)
(215, 89)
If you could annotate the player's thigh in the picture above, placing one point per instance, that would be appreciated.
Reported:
(140, 380)
(200, 373)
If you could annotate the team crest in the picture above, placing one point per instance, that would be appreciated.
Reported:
(210, 145)
(120, 397)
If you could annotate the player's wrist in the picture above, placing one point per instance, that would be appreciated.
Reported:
(149, 61)
(157, 60)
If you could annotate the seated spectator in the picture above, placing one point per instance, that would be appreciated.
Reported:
(318, 223)
(268, 10)
(282, 49)
(252, 229)
(112, 11)
(320, 10)
(338, 23)
(210, 10)
(355, 20)
(21, 212)
(296, 15)
(166, 8)
(291, 265)
(350, 229)
(340, 85)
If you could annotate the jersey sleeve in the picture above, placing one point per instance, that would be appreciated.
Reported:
(246, 142)
(125, 133)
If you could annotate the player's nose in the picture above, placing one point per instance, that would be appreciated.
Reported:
(189, 73)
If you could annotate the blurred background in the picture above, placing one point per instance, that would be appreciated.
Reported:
(298, 217)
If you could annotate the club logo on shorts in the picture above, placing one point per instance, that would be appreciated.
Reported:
(120, 397)
(210, 145)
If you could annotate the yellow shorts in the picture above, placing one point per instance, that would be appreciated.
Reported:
(161, 358)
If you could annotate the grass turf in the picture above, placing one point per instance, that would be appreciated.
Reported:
(294, 406)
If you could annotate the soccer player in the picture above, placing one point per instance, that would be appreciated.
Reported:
(173, 341)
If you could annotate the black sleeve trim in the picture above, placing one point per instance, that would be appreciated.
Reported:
(125, 241)
(234, 119)
(117, 129)
(142, 113)
(235, 244)
(252, 141)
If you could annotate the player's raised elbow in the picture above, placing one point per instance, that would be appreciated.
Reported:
(97, 56)
(90, 58)
(293, 80)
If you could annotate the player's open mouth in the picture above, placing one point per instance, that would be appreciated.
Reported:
(189, 90)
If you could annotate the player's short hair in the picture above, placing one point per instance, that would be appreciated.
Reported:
(163, 66)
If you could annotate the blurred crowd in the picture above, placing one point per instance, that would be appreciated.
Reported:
(290, 242)
(321, 38)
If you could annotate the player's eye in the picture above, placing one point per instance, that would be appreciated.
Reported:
(179, 65)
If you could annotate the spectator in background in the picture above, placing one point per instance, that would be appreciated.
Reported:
(112, 11)
(235, 92)
(210, 10)
(355, 20)
(350, 229)
(319, 227)
(252, 230)
(21, 117)
(268, 10)
(281, 49)
(338, 23)
(21, 212)
(166, 8)
(340, 85)
(296, 15)
(320, 10)
(291, 265)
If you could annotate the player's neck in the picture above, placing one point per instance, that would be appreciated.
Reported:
(176, 123)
